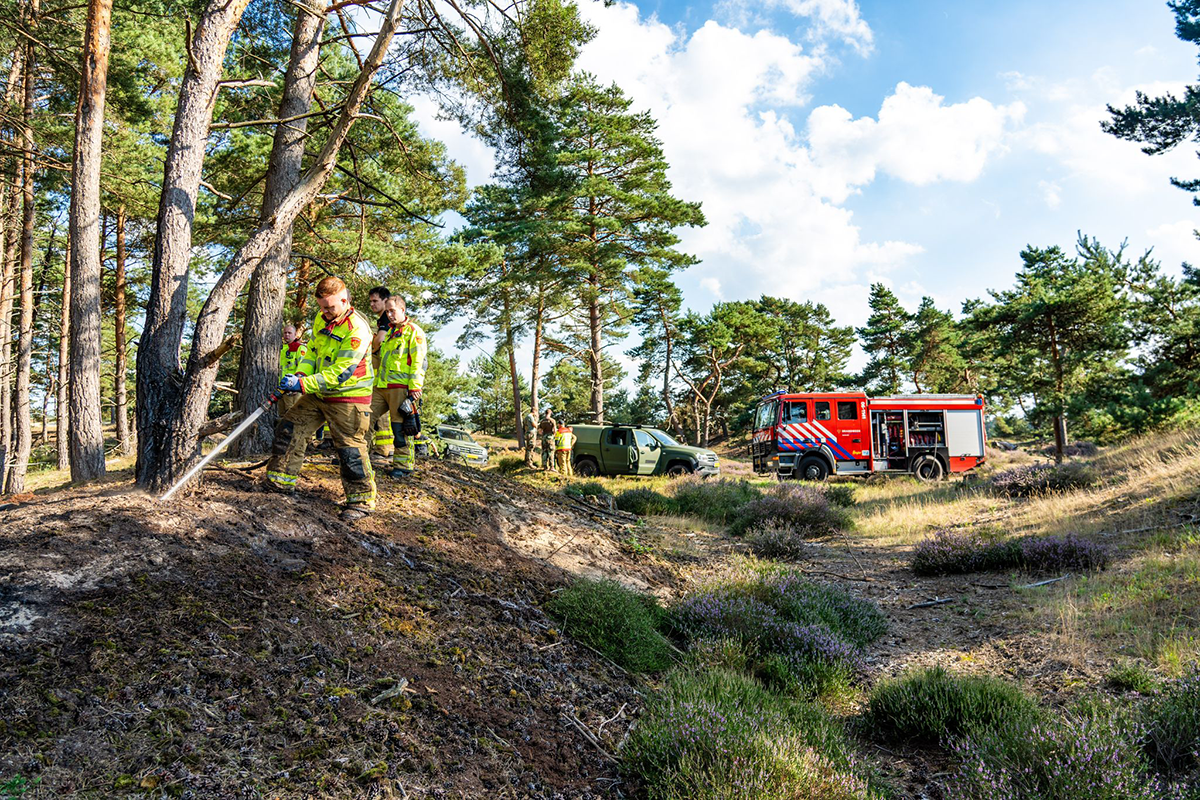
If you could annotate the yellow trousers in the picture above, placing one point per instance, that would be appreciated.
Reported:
(348, 423)
(385, 404)
(562, 459)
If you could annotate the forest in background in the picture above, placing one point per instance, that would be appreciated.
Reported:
(175, 176)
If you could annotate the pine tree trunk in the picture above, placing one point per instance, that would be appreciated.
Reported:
(22, 422)
(510, 341)
(8, 239)
(176, 425)
(83, 391)
(121, 368)
(62, 423)
(258, 369)
(597, 365)
(538, 325)
(158, 373)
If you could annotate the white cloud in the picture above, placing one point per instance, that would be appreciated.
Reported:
(1176, 237)
(838, 19)
(1051, 193)
(917, 138)
(771, 194)
(713, 285)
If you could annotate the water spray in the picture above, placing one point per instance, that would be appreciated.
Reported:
(238, 431)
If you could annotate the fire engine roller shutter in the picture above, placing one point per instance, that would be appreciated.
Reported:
(964, 433)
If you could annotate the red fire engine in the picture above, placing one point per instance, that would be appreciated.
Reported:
(813, 435)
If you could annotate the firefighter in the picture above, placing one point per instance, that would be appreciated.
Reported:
(546, 429)
(381, 430)
(402, 359)
(290, 356)
(527, 430)
(564, 441)
(334, 383)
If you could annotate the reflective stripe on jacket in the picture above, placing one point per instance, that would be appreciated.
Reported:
(336, 365)
(402, 357)
(290, 357)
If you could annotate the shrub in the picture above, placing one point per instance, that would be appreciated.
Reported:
(805, 509)
(956, 552)
(798, 635)
(1058, 553)
(644, 502)
(714, 501)
(1076, 450)
(510, 464)
(587, 489)
(1132, 676)
(774, 540)
(1173, 726)
(1081, 755)
(619, 622)
(1034, 479)
(930, 704)
(840, 494)
(720, 734)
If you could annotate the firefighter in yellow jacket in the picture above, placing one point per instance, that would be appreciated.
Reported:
(290, 356)
(398, 385)
(564, 441)
(334, 383)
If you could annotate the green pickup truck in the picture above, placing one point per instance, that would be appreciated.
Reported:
(634, 450)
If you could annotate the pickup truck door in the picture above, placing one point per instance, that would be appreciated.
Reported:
(649, 451)
(618, 451)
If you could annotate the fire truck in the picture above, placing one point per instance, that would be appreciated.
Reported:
(813, 435)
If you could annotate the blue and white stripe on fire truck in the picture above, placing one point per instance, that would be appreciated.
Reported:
(798, 436)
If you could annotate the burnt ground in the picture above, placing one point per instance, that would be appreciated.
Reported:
(236, 643)
(239, 643)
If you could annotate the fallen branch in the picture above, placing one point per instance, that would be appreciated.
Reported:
(587, 734)
(1044, 583)
(395, 691)
(220, 424)
(834, 575)
(934, 602)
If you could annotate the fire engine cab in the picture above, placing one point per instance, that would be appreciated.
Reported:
(811, 436)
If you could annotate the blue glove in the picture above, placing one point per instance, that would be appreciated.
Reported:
(290, 383)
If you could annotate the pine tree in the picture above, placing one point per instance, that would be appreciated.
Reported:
(885, 340)
(935, 350)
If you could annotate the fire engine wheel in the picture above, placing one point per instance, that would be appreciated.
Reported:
(928, 469)
(813, 469)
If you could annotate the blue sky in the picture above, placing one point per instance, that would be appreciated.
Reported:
(921, 144)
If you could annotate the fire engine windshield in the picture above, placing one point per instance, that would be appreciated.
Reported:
(765, 417)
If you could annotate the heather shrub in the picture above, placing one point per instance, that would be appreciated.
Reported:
(957, 552)
(798, 635)
(644, 502)
(931, 704)
(719, 734)
(714, 501)
(1034, 479)
(1074, 450)
(840, 494)
(619, 622)
(805, 509)
(1173, 727)
(1058, 553)
(1082, 755)
(774, 540)
(587, 489)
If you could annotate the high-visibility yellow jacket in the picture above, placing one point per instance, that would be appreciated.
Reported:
(564, 440)
(290, 357)
(337, 365)
(402, 357)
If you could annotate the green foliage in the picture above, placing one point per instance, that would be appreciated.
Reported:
(885, 340)
(619, 622)
(510, 464)
(1132, 676)
(840, 494)
(713, 500)
(1173, 727)
(586, 489)
(716, 733)
(644, 502)
(15, 788)
(931, 704)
